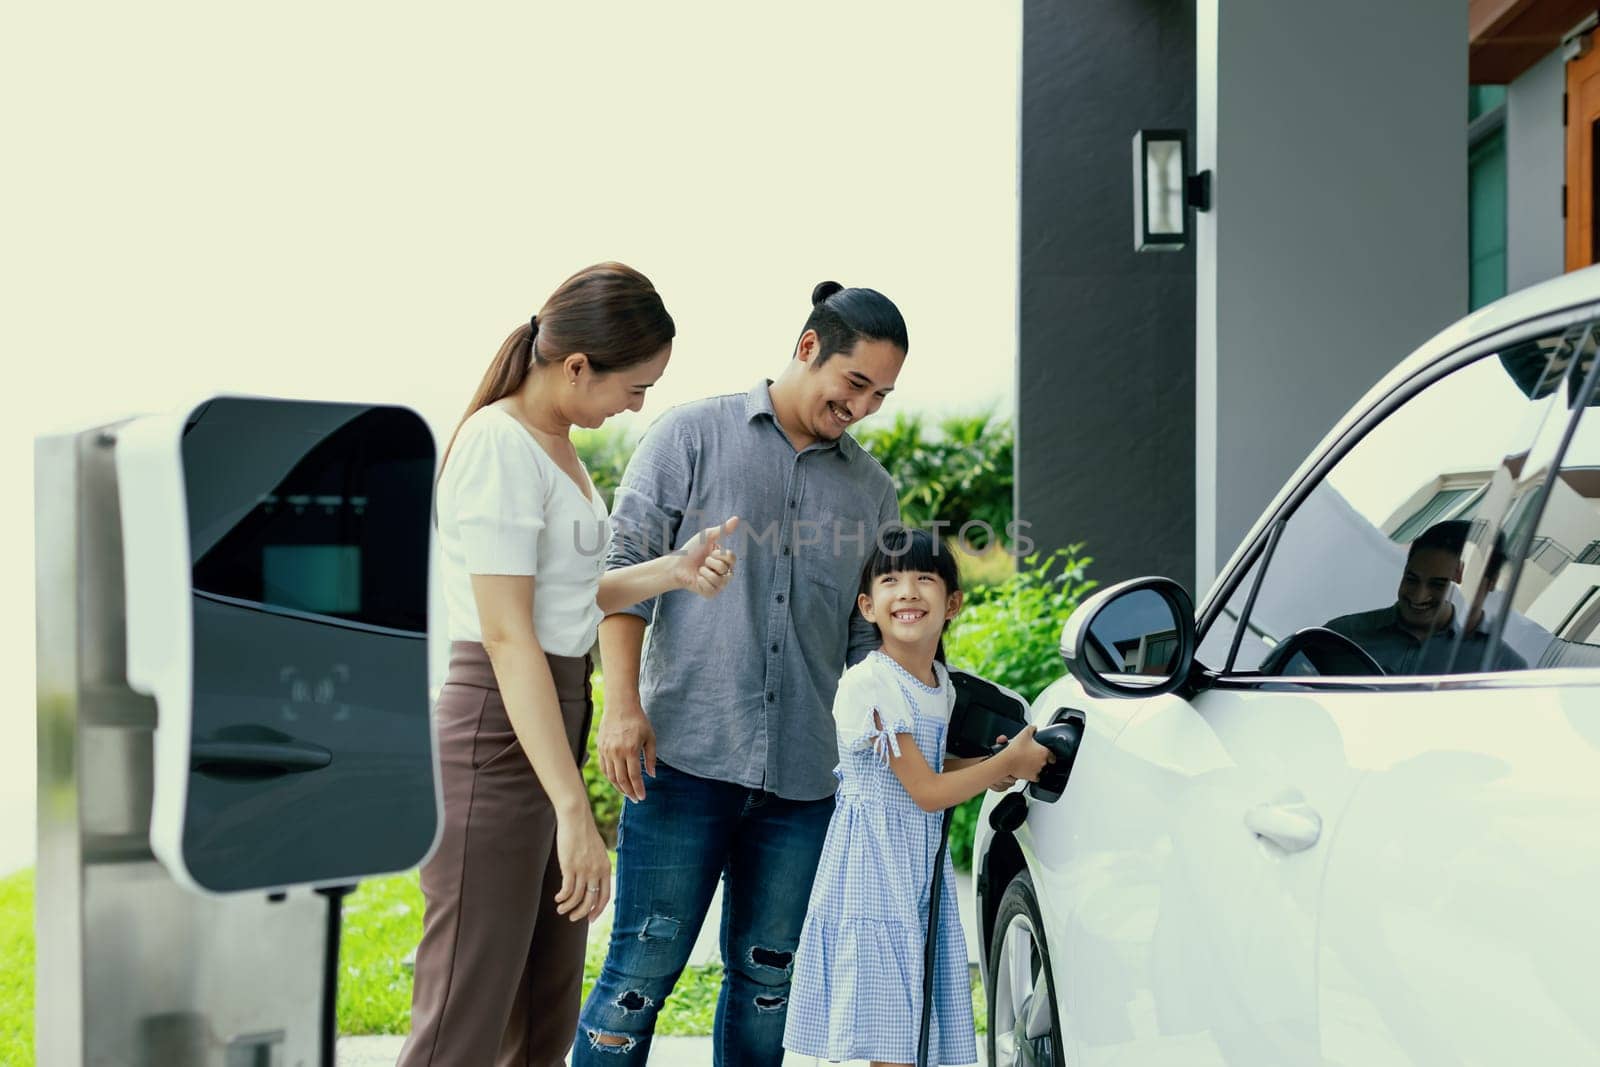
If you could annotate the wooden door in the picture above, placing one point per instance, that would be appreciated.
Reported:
(1583, 144)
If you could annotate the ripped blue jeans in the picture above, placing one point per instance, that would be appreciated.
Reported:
(671, 849)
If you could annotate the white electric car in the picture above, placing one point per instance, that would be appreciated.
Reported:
(1347, 811)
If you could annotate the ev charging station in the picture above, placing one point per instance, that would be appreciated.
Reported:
(234, 721)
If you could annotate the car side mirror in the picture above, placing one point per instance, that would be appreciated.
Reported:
(1133, 639)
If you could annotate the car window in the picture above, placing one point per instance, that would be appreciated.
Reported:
(1386, 565)
(1554, 616)
(1217, 643)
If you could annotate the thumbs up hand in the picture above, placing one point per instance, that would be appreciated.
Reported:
(705, 566)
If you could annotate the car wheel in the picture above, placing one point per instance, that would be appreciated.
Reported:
(1022, 998)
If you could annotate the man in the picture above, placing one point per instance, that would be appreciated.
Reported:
(718, 723)
(1417, 634)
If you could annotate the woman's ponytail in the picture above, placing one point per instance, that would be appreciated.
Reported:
(506, 373)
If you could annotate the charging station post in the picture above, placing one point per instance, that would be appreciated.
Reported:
(201, 939)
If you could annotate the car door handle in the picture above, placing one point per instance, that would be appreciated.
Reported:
(1292, 827)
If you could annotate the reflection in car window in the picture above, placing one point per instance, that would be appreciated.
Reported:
(1428, 629)
(1555, 602)
(1397, 560)
(1134, 634)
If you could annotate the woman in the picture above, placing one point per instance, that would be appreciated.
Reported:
(520, 867)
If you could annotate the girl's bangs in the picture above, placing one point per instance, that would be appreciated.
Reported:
(901, 549)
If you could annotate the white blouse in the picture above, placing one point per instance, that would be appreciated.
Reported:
(880, 685)
(506, 508)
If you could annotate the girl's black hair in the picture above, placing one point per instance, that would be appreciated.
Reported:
(843, 316)
(906, 548)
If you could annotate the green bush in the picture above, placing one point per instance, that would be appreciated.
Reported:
(956, 472)
(979, 570)
(604, 798)
(605, 453)
(1010, 634)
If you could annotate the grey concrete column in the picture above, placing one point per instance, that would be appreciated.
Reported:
(1338, 237)
(1105, 375)
(1536, 151)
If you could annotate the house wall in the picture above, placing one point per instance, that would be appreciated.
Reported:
(1338, 238)
(1535, 166)
(1105, 374)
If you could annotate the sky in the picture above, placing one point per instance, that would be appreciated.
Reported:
(358, 201)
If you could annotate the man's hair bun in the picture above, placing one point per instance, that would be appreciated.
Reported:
(840, 317)
(823, 291)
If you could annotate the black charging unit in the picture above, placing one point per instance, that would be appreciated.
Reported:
(983, 712)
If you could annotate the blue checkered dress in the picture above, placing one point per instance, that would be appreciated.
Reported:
(857, 991)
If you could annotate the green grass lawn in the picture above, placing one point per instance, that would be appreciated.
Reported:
(382, 922)
(16, 968)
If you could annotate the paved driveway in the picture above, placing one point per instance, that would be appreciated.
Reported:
(665, 1052)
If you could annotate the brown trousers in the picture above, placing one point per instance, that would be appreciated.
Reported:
(499, 973)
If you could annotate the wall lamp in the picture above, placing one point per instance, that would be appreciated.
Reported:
(1164, 190)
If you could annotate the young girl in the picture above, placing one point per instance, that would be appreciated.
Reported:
(858, 979)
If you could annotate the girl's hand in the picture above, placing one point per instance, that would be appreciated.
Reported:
(1024, 757)
(1003, 785)
(585, 867)
(703, 564)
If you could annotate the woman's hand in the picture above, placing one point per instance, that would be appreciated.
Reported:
(585, 867)
(1024, 757)
(703, 564)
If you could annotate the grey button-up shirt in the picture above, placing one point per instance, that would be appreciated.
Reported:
(740, 688)
(1399, 651)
